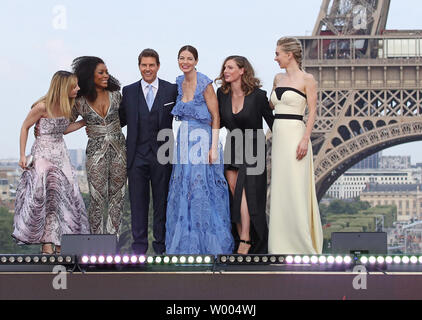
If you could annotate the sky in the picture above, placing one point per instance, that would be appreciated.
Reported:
(41, 37)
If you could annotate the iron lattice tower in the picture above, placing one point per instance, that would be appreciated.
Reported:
(369, 85)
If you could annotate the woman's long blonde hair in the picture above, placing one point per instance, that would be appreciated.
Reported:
(294, 46)
(58, 94)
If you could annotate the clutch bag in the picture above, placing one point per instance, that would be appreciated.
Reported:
(29, 161)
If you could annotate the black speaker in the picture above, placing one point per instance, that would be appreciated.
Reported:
(359, 242)
(90, 244)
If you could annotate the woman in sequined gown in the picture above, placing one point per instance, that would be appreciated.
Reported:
(48, 202)
(198, 208)
(98, 103)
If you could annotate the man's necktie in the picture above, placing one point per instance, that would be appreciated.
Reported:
(150, 97)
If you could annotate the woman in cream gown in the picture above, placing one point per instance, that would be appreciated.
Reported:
(294, 222)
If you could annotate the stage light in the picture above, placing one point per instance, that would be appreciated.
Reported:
(101, 259)
(339, 259)
(44, 259)
(3, 259)
(372, 260)
(232, 259)
(273, 259)
(297, 259)
(117, 259)
(134, 259)
(264, 259)
(347, 260)
(182, 259)
(19, 259)
(174, 259)
(109, 259)
(256, 259)
(93, 259)
(199, 259)
(364, 260)
(281, 259)
(414, 260)
(12, 259)
(420, 259)
(207, 259)
(150, 260)
(248, 259)
(405, 259)
(125, 259)
(380, 260)
(389, 260)
(397, 259)
(142, 259)
(240, 259)
(314, 259)
(289, 259)
(322, 259)
(306, 259)
(27, 259)
(223, 259)
(36, 259)
(330, 259)
(166, 260)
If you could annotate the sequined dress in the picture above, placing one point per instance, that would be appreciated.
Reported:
(105, 164)
(48, 201)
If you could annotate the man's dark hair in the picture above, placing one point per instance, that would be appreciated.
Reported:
(149, 53)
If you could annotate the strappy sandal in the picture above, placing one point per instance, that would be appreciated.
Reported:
(246, 244)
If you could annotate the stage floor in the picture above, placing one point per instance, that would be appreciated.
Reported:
(212, 285)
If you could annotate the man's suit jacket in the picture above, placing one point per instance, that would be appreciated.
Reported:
(129, 112)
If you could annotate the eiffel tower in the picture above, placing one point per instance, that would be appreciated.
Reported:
(369, 85)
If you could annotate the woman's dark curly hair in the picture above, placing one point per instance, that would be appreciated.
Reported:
(84, 68)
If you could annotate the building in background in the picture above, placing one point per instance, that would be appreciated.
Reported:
(353, 182)
(395, 162)
(406, 197)
(371, 162)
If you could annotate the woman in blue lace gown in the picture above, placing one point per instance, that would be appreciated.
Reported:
(198, 208)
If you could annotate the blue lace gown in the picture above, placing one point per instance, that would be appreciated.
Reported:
(198, 209)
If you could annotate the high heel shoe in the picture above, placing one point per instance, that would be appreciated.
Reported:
(244, 247)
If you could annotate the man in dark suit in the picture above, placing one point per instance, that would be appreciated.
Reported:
(146, 109)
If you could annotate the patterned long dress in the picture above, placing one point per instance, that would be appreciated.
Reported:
(105, 164)
(48, 201)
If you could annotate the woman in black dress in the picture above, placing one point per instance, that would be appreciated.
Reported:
(242, 106)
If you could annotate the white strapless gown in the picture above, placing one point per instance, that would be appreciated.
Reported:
(294, 222)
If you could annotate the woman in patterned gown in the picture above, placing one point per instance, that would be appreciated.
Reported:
(48, 202)
(98, 103)
(198, 208)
